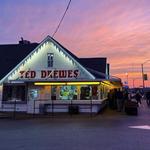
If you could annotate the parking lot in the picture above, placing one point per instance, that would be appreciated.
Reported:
(109, 130)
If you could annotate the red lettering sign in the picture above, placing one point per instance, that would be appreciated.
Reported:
(55, 73)
(33, 74)
(50, 74)
(43, 74)
(62, 74)
(27, 74)
(76, 73)
(70, 73)
(22, 74)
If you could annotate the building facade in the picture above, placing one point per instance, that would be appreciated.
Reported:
(48, 77)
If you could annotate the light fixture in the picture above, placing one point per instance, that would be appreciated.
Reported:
(49, 83)
(66, 83)
(83, 83)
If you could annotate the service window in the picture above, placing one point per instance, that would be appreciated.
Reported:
(14, 93)
(85, 93)
(68, 93)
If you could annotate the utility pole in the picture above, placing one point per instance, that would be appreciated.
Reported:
(143, 76)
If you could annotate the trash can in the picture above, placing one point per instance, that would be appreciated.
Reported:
(131, 108)
(73, 109)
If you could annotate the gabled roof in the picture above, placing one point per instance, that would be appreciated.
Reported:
(93, 65)
(70, 53)
(13, 54)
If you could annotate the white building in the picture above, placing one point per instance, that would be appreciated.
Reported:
(50, 78)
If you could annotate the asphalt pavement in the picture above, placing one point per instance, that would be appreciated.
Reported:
(110, 130)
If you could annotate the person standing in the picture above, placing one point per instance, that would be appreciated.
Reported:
(119, 98)
(138, 97)
(125, 98)
(148, 98)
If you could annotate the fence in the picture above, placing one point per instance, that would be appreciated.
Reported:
(11, 109)
(70, 106)
(49, 107)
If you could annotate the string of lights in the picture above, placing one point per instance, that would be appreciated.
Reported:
(62, 18)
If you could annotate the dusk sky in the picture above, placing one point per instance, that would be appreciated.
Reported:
(116, 29)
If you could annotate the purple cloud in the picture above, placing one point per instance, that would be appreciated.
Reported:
(118, 30)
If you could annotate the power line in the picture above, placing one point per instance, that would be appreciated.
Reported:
(61, 19)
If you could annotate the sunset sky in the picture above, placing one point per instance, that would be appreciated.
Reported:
(116, 29)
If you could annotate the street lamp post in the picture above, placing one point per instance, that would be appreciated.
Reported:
(143, 72)
(133, 82)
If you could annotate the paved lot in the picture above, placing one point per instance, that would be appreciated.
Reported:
(107, 131)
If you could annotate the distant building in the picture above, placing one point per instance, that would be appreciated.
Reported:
(41, 75)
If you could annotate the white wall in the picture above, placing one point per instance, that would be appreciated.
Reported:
(38, 62)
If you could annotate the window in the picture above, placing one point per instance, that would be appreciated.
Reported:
(53, 92)
(13, 93)
(85, 93)
(95, 92)
(50, 59)
(68, 93)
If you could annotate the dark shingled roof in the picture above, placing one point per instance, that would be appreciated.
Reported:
(95, 65)
(13, 54)
(98, 64)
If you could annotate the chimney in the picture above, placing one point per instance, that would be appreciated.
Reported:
(22, 41)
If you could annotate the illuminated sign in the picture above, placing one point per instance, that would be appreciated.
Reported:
(45, 74)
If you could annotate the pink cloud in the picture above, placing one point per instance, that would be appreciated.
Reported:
(116, 29)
